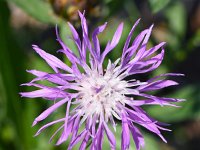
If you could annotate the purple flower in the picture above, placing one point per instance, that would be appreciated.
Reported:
(102, 96)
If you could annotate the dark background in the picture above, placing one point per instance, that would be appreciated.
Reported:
(26, 22)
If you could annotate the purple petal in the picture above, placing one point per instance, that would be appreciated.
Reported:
(131, 51)
(37, 73)
(65, 134)
(48, 124)
(84, 142)
(83, 22)
(117, 36)
(95, 38)
(110, 136)
(113, 43)
(125, 136)
(157, 85)
(153, 50)
(148, 102)
(86, 42)
(54, 78)
(129, 37)
(137, 137)
(53, 61)
(67, 115)
(68, 77)
(137, 117)
(146, 39)
(66, 50)
(77, 139)
(160, 98)
(137, 69)
(153, 127)
(141, 51)
(76, 37)
(75, 127)
(165, 75)
(48, 93)
(48, 111)
(98, 139)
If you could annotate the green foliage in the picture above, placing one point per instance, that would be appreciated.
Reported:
(39, 9)
(157, 5)
(9, 83)
(176, 16)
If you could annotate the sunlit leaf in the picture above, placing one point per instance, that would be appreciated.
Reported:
(38, 9)
(157, 5)
(176, 16)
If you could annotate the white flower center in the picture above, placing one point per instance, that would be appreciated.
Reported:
(101, 93)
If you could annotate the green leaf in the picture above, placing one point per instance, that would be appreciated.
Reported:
(11, 66)
(2, 99)
(176, 16)
(157, 5)
(38, 9)
(150, 142)
(194, 41)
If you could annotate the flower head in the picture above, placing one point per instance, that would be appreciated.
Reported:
(102, 96)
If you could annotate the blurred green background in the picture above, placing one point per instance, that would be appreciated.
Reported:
(26, 22)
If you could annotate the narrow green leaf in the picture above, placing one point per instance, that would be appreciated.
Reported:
(38, 9)
(157, 5)
(10, 68)
(176, 16)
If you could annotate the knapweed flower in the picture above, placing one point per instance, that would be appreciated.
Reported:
(102, 96)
